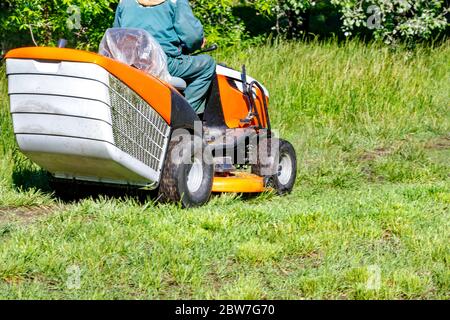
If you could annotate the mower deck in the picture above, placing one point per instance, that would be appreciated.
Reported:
(239, 182)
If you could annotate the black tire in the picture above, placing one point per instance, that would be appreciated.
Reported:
(175, 185)
(281, 179)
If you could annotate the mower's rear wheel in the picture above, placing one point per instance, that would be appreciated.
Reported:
(277, 162)
(187, 176)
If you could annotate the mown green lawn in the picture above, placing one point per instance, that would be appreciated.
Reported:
(368, 219)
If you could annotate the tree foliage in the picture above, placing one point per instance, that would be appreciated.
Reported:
(83, 22)
(394, 20)
(80, 21)
(221, 26)
(288, 14)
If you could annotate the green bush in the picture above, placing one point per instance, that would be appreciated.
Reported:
(288, 14)
(394, 20)
(221, 26)
(82, 22)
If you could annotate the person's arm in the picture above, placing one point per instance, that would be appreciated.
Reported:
(188, 27)
(118, 19)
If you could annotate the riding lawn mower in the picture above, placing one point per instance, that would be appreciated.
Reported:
(91, 118)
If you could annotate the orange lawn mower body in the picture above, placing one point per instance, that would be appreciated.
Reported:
(87, 118)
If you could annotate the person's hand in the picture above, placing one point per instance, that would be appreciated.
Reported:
(204, 43)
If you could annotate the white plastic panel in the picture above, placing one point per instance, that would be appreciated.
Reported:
(58, 86)
(62, 68)
(62, 126)
(85, 159)
(45, 104)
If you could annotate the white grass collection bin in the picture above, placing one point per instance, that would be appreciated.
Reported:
(79, 122)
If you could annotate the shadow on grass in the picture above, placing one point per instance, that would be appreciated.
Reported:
(26, 179)
(75, 191)
(69, 192)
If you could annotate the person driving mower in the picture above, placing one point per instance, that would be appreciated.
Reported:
(173, 24)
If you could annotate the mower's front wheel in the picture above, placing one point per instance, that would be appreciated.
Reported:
(277, 162)
(187, 176)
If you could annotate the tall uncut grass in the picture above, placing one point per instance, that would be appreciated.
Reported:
(368, 218)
